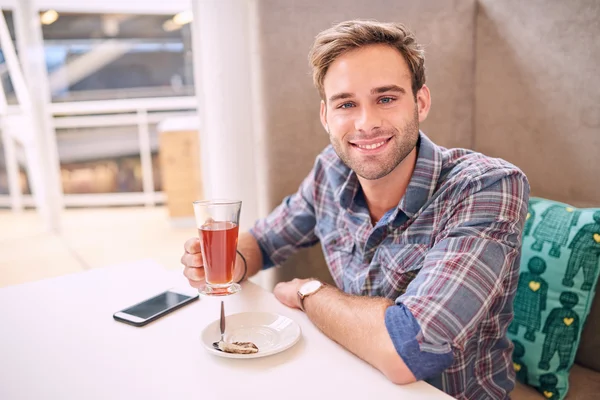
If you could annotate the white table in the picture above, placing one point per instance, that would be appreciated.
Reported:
(58, 340)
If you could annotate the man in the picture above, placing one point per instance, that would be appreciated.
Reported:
(422, 242)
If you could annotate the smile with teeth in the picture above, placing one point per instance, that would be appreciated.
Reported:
(371, 146)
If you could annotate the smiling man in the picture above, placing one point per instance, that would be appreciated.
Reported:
(423, 242)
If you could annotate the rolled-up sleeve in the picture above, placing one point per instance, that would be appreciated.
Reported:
(290, 227)
(470, 268)
(404, 330)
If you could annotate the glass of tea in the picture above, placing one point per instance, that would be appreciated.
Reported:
(218, 226)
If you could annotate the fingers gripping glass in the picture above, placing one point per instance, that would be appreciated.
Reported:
(218, 228)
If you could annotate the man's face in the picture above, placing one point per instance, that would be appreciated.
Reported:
(370, 110)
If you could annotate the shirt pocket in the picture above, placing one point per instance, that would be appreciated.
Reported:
(338, 248)
(398, 265)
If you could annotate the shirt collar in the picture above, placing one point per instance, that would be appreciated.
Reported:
(346, 193)
(420, 188)
(424, 178)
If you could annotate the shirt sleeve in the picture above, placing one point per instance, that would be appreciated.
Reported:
(404, 330)
(290, 227)
(473, 263)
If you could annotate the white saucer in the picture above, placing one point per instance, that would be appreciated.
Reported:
(271, 333)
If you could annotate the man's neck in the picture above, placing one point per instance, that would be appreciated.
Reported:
(385, 193)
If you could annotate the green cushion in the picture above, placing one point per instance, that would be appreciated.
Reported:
(560, 263)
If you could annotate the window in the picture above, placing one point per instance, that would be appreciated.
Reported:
(113, 56)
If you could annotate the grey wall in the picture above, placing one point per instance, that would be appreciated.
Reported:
(538, 93)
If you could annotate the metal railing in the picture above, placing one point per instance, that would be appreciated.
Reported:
(141, 113)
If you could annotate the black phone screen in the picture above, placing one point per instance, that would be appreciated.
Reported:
(156, 304)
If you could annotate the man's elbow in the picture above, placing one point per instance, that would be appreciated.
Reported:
(394, 368)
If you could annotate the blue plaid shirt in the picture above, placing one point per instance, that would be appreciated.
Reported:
(448, 255)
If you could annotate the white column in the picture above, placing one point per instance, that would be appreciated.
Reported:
(226, 90)
(30, 44)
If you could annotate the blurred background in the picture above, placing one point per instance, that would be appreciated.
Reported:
(116, 115)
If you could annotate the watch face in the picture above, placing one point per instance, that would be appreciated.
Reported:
(310, 287)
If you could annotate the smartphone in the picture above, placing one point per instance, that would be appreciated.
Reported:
(155, 307)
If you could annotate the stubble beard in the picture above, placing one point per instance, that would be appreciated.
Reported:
(402, 144)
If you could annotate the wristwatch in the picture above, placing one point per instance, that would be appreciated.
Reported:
(310, 287)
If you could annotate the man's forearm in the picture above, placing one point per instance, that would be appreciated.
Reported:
(358, 324)
(248, 246)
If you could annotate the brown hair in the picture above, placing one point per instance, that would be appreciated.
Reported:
(351, 35)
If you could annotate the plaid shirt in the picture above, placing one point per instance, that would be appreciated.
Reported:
(448, 255)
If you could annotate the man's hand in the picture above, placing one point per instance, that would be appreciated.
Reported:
(193, 263)
(287, 292)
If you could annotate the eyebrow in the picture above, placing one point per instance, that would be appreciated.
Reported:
(377, 90)
(340, 96)
(388, 88)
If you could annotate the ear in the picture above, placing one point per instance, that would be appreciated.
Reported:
(423, 102)
(323, 115)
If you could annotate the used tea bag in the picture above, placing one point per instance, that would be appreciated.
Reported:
(238, 347)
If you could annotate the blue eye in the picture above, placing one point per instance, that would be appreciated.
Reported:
(386, 100)
(346, 105)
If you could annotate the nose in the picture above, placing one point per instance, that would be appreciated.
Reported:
(368, 120)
